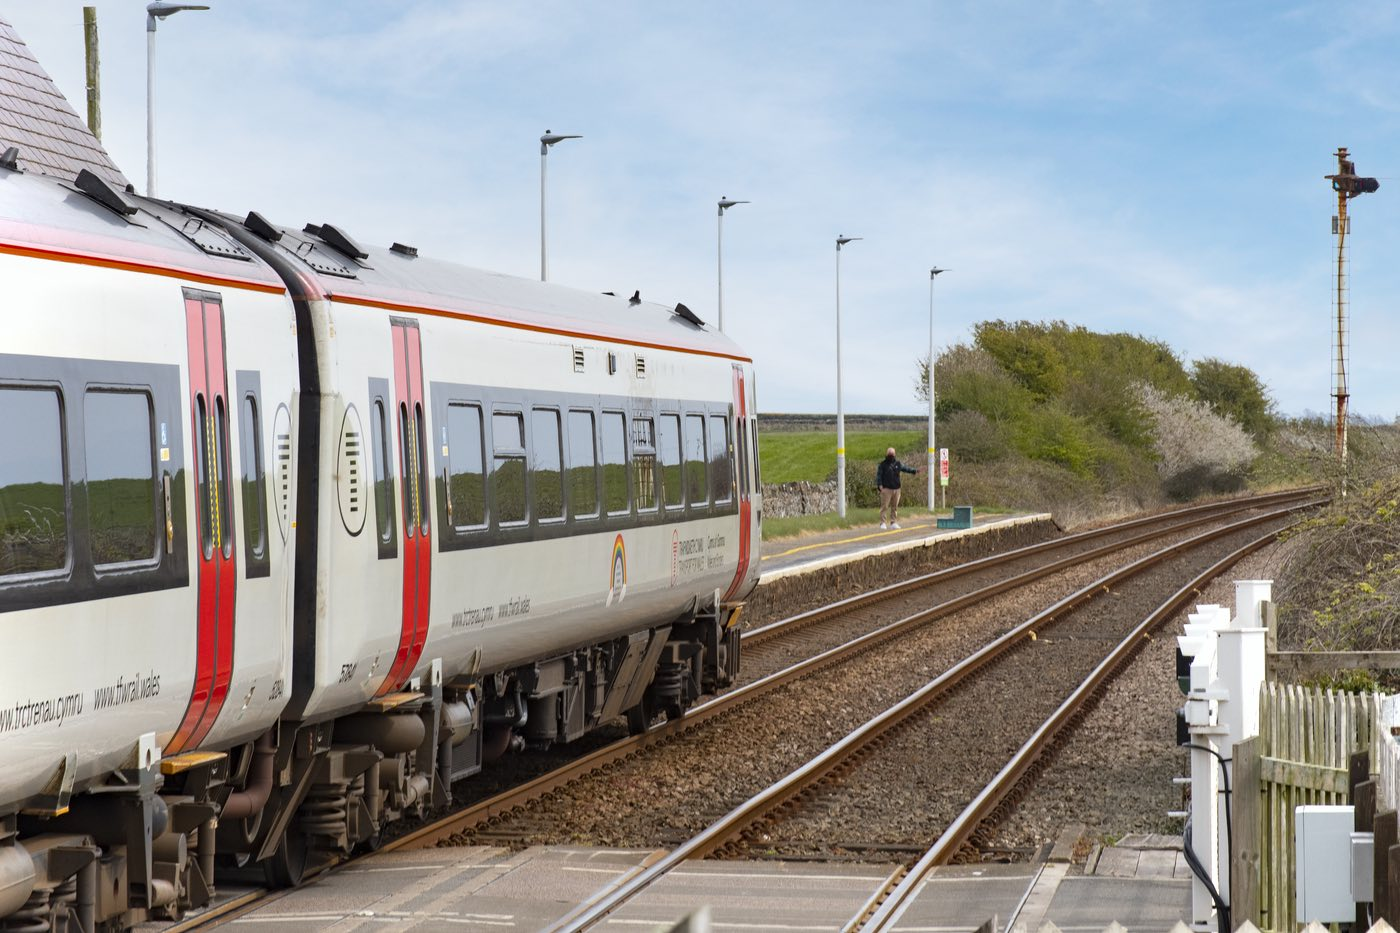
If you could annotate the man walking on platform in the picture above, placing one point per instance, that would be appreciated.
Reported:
(887, 476)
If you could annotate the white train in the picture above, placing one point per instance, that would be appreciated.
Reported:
(295, 532)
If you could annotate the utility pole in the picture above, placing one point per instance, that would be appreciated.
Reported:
(1348, 185)
(94, 86)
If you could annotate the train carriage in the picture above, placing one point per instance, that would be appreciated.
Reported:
(145, 583)
(297, 531)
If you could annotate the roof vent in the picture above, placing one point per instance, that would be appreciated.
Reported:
(689, 315)
(641, 367)
(578, 359)
(258, 226)
(409, 251)
(10, 159)
(337, 238)
(103, 193)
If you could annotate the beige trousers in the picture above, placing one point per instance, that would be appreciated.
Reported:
(889, 502)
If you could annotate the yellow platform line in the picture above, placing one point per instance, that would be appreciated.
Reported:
(876, 534)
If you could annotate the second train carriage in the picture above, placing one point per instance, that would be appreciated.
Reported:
(394, 516)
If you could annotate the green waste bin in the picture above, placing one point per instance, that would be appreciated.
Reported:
(962, 518)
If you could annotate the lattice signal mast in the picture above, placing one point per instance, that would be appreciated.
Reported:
(1348, 185)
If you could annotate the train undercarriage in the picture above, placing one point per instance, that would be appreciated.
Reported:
(153, 840)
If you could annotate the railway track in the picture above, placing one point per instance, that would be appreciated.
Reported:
(782, 797)
(858, 625)
(823, 640)
(778, 645)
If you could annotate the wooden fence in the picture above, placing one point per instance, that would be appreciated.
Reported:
(1301, 756)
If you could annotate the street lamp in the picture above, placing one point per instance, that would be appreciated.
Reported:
(724, 205)
(932, 446)
(547, 140)
(156, 11)
(840, 412)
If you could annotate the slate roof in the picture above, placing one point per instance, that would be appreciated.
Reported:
(37, 118)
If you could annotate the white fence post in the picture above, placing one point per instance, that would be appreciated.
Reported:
(1222, 709)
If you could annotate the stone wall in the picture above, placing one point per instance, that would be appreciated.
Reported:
(784, 500)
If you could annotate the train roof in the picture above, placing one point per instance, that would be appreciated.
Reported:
(89, 221)
(399, 278)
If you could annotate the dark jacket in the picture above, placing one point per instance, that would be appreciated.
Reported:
(887, 473)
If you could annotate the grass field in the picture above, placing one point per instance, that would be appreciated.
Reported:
(792, 456)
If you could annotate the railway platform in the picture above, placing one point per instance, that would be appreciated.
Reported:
(1139, 884)
(792, 556)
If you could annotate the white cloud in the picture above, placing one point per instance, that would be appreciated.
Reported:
(1127, 167)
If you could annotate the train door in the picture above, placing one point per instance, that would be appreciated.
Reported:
(215, 551)
(746, 481)
(413, 476)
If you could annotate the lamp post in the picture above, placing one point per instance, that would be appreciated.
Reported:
(547, 140)
(932, 446)
(724, 205)
(840, 412)
(154, 12)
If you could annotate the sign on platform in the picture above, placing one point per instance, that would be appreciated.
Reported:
(943, 466)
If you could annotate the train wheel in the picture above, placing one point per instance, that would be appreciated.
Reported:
(287, 866)
(236, 840)
(640, 717)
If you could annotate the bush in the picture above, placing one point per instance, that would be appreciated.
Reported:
(1339, 589)
(976, 439)
(1198, 451)
(969, 379)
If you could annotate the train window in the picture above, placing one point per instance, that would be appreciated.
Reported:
(615, 495)
(253, 478)
(721, 463)
(583, 466)
(742, 455)
(546, 465)
(408, 474)
(420, 443)
(383, 482)
(508, 430)
(222, 497)
(119, 443)
(33, 498)
(757, 460)
(696, 489)
(644, 462)
(668, 446)
(202, 467)
(466, 482)
(508, 472)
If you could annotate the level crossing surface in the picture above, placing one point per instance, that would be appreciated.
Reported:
(484, 888)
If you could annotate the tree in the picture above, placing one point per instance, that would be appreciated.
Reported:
(1235, 392)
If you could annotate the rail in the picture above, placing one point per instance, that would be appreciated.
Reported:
(902, 895)
(515, 798)
(733, 824)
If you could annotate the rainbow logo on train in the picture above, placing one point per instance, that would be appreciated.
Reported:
(617, 575)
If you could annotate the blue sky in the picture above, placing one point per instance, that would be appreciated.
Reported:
(1154, 168)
